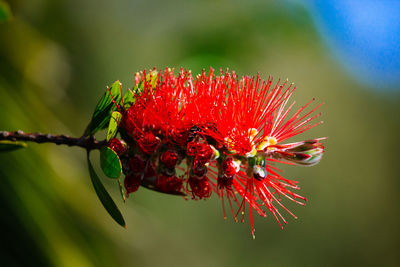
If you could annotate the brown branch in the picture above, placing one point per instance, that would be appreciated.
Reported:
(87, 142)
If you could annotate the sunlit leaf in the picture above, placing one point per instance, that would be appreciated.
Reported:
(6, 145)
(104, 108)
(104, 197)
(110, 163)
(113, 125)
(128, 99)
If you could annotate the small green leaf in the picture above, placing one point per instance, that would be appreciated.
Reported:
(110, 163)
(128, 99)
(6, 145)
(104, 108)
(113, 125)
(151, 78)
(5, 12)
(104, 197)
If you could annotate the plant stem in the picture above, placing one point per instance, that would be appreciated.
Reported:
(87, 142)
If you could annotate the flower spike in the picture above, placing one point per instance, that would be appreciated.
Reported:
(216, 133)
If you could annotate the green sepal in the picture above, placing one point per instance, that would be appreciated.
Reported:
(110, 163)
(128, 99)
(6, 145)
(104, 108)
(113, 125)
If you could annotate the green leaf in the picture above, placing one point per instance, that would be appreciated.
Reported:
(104, 197)
(128, 99)
(113, 125)
(5, 12)
(110, 163)
(6, 145)
(104, 108)
(153, 81)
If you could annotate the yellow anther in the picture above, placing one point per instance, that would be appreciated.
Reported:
(266, 142)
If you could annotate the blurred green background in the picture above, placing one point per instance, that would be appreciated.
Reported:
(56, 57)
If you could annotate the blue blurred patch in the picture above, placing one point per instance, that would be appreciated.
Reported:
(365, 37)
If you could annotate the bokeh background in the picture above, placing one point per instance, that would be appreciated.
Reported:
(56, 57)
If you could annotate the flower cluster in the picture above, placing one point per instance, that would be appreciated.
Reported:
(214, 134)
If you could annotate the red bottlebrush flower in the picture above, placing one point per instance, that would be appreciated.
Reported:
(118, 145)
(149, 143)
(228, 130)
(132, 183)
(169, 158)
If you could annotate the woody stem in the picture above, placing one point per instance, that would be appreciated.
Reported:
(87, 142)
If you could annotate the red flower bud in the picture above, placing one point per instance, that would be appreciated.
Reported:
(137, 164)
(259, 173)
(132, 183)
(169, 159)
(150, 173)
(225, 182)
(199, 169)
(200, 187)
(118, 145)
(149, 143)
(179, 137)
(204, 153)
(191, 148)
(168, 184)
(200, 151)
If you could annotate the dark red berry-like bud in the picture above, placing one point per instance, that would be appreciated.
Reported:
(204, 153)
(137, 164)
(225, 182)
(118, 145)
(168, 184)
(179, 137)
(200, 187)
(132, 183)
(191, 148)
(199, 169)
(229, 167)
(150, 173)
(149, 143)
(259, 173)
(169, 159)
